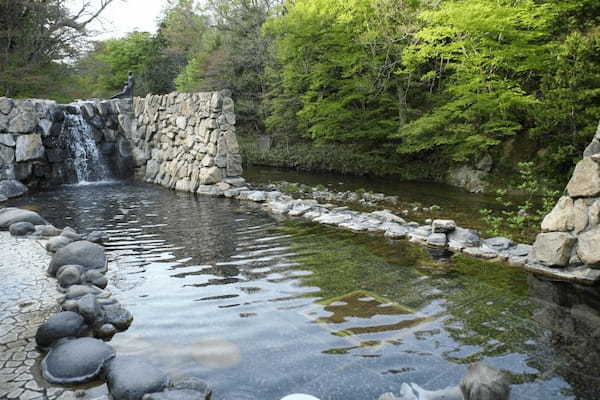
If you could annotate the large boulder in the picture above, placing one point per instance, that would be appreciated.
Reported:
(12, 188)
(23, 122)
(11, 215)
(130, 378)
(86, 254)
(61, 325)
(553, 249)
(585, 181)
(76, 361)
(29, 147)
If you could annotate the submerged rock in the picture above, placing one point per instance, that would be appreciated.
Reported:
(130, 378)
(76, 361)
(188, 388)
(12, 188)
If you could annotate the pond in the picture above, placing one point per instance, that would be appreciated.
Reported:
(261, 307)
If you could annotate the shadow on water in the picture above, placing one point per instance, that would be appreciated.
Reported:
(261, 308)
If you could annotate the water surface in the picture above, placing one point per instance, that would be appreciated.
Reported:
(261, 307)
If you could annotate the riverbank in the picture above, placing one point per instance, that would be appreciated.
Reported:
(29, 298)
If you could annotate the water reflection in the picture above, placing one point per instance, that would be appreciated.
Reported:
(571, 314)
(261, 308)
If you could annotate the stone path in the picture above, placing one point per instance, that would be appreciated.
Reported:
(27, 298)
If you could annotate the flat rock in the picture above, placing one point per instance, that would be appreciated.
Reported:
(47, 230)
(86, 254)
(498, 243)
(130, 378)
(461, 238)
(61, 325)
(76, 361)
(9, 216)
(395, 231)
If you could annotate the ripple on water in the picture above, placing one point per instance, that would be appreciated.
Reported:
(261, 309)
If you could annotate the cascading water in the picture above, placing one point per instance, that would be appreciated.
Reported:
(88, 163)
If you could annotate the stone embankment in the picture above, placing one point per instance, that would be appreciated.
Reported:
(440, 234)
(569, 245)
(186, 141)
(75, 336)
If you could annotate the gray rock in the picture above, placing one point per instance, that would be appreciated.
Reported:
(47, 231)
(89, 309)
(585, 181)
(209, 176)
(395, 231)
(77, 291)
(61, 325)
(12, 188)
(7, 155)
(21, 228)
(443, 225)
(96, 237)
(588, 249)
(105, 331)
(10, 215)
(188, 388)
(237, 182)
(118, 316)
(461, 238)
(96, 278)
(69, 275)
(76, 361)
(88, 255)
(23, 122)
(6, 105)
(29, 147)
(130, 378)
(437, 240)
(56, 243)
(498, 243)
(480, 252)
(520, 250)
(70, 234)
(560, 219)
(553, 248)
(7, 140)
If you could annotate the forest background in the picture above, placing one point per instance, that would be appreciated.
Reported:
(410, 88)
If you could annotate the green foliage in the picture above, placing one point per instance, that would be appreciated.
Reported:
(525, 216)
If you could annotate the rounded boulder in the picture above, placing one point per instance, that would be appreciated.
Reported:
(21, 228)
(86, 254)
(11, 215)
(76, 361)
(130, 378)
(59, 326)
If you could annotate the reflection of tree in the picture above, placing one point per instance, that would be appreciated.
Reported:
(571, 314)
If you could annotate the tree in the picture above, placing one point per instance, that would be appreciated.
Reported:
(36, 37)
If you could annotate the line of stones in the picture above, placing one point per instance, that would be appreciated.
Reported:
(73, 357)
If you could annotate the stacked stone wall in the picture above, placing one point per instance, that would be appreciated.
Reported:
(35, 136)
(569, 245)
(186, 141)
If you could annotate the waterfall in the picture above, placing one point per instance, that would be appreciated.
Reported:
(88, 163)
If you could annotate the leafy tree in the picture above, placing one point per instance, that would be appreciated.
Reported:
(35, 39)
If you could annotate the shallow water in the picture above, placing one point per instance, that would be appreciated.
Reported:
(260, 307)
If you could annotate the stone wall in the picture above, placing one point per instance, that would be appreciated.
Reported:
(181, 141)
(569, 245)
(186, 141)
(35, 137)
